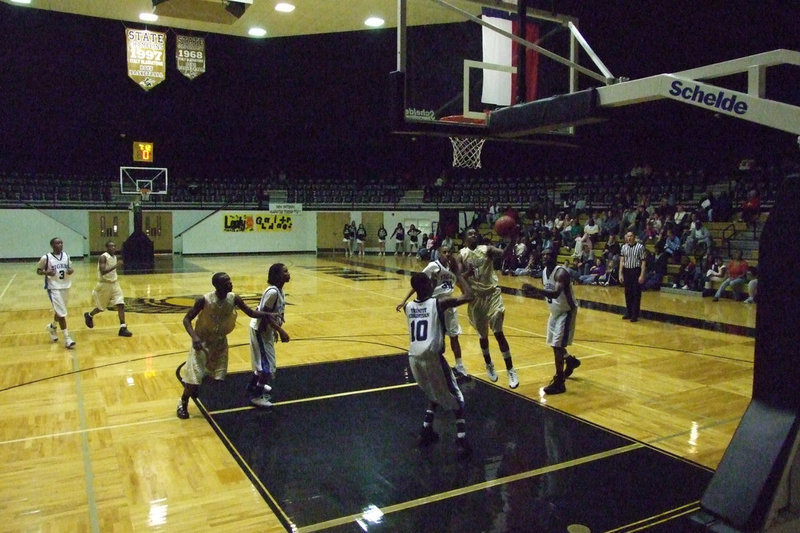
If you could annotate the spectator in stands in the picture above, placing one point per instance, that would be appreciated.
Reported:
(698, 234)
(715, 272)
(628, 220)
(640, 220)
(672, 246)
(752, 286)
(578, 243)
(751, 207)
(580, 206)
(515, 255)
(566, 230)
(558, 222)
(399, 236)
(611, 250)
(656, 269)
(610, 225)
(722, 208)
(591, 229)
(597, 271)
(686, 275)
(681, 219)
(650, 234)
(704, 206)
(735, 276)
(532, 268)
(585, 261)
(665, 210)
(568, 266)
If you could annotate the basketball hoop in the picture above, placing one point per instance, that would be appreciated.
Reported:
(466, 150)
(145, 194)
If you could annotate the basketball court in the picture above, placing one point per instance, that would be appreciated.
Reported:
(632, 444)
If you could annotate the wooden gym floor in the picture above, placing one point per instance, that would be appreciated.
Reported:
(91, 441)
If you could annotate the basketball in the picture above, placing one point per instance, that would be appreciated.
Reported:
(505, 226)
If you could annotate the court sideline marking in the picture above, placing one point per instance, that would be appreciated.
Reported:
(2, 294)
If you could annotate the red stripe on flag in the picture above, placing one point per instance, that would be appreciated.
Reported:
(531, 62)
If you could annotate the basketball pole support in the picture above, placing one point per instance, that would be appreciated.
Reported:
(756, 486)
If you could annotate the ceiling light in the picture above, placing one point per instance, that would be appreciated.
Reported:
(284, 7)
(256, 32)
(148, 17)
(374, 22)
(21, 1)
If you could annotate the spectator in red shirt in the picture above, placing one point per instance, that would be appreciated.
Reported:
(736, 276)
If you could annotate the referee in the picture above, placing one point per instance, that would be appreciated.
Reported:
(631, 273)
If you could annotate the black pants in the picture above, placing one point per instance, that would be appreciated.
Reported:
(633, 291)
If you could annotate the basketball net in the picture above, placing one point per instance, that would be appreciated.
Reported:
(145, 194)
(467, 151)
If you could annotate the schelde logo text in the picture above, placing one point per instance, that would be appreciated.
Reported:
(423, 114)
(716, 100)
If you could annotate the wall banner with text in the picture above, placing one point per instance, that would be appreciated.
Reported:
(190, 52)
(146, 57)
(264, 222)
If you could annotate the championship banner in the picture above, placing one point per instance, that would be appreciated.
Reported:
(146, 57)
(265, 222)
(190, 52)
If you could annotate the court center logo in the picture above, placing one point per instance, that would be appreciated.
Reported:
(176, 304)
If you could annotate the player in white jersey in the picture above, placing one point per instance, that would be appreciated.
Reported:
(426, 359)
(486, 310)
(107, 291)
(56, 268)
(216, 317)
(264, 333)
(563, 315)
(442, 273)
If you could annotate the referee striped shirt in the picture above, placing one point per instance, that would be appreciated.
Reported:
(632, 256)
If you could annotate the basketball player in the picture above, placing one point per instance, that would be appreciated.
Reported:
(56, 268)
(442, 273)
(264, 332)
(561, 324)
(208, 355)
(107, 291)
(426, 359)
(486, 310)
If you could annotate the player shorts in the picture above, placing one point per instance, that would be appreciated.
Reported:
(59, 299)
(262, 351)
(107, 294)
(435, 378)
(451, 325)
(359, 241)
(561, 329)
(487, 312)
(212, 361)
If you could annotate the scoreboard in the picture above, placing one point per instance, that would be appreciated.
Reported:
(142, 152)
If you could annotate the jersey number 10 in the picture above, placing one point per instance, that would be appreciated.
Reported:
(419, 330)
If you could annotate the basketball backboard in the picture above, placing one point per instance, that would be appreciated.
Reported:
(143, 181)
(484, 61)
